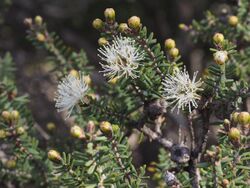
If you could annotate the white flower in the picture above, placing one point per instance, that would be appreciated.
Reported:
(180, 91)
(220, 57)
(70, 91)
(121, 58)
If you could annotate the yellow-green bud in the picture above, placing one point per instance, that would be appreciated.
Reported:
(174, 52)
(106, 127)
(51, 126)
(53, 155)
(220, 57)
(123, 27)
(218, 38)
(114, 80)
(183, 27)
(87, 79)
(38, 20)
(10, 164)
(115, 128)
(2, 134)
(109, 14)
(226, 122)
(40, 37)
(14, 115)
(20, 130)
(102, 41)
(134, 22)
(244, 118)
(74, 73)
(97, 24)
(6, 115)
(234, 133)
(169, 44)
(234, 117)
(233, 20)
(77, 132)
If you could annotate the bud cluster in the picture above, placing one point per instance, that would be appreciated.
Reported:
(37, 28)
(170, 46)
(109, 25)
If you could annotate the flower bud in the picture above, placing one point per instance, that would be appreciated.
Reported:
(115, 128)
(106, 127)
(38, 20)
(109, 14)
(87, 79)
(152, 167)
(97, 24)
(123, 27)
(134, 22)
(2, 134)
(74, 73)
(10, 164)
(53, 155)
(51, 126)
(102, 41)
(220, 57)
(225, 183)
(218, 38)
(174, 52)
(20, 130)
(6, 115)
(113, 80)
(234, 117)
(91, 127)
(226, 124)
(169, 44)
(234, 134)
(244, 118)
(183, 27)
(14, 115)
(40, 37)
(28, 21)
(233, 20)
(77, 132)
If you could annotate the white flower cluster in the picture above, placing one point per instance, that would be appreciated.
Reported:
(70, 91)
(180, 91)
(120, 58)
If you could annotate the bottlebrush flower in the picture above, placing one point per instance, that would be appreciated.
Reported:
(70, 91)
(179, 90)
(121, 58)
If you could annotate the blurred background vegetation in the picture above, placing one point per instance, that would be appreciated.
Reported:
(72, 20)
